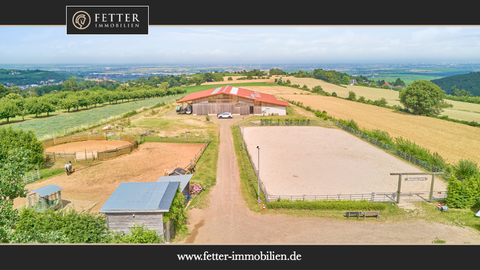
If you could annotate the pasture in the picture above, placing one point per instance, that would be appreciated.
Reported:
(325, 161)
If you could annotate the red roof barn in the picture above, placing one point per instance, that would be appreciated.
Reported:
(235, 100)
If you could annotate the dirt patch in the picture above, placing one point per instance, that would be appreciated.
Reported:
(92, 186)
(87, 146)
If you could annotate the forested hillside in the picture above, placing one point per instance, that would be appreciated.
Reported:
(468, 82)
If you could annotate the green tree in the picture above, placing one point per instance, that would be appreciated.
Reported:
(183, 81)
(13, 167)
(423, 98)
(352, 96)
(8, 109)
(230, 79)
(398, 82)
(208, 77)
(345, 79)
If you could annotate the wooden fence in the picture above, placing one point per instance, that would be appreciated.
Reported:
(89, 155)
(193, 162)
(73, 138)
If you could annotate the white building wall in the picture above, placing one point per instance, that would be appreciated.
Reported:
(279, 110)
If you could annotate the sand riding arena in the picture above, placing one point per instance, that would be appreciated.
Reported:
(87, 147)
(310, 162)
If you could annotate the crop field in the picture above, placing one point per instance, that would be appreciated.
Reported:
(325, 161)
(452, 141)
(46, 127)
(461, 110)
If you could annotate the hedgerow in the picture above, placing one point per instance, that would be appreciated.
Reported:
(327, 205)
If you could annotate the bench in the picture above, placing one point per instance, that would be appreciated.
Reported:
(350, 214)
(371, 214)
(364, 214)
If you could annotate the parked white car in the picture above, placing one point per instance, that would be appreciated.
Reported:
(224, 115)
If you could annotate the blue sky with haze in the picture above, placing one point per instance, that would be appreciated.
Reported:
(237, 45)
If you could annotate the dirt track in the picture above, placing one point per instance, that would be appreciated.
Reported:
(227, 220)
(86, 146)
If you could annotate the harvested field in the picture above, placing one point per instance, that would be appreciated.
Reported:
(86, 146)
(452, 141)
(326, 161)
(92, 186)
(460, 110)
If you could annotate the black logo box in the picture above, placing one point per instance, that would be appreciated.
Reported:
(114, 20)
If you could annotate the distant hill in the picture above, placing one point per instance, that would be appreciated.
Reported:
(469, 82)
(24, 77)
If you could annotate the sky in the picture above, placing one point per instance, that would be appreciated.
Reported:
(242, 45)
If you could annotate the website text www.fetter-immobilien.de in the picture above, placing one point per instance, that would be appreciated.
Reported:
(262, 256)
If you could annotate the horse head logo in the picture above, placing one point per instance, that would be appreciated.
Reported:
(81, 20)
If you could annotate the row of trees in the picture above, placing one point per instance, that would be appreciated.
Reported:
(15, 105)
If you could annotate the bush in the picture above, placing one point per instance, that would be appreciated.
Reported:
(465, 169)
(351, 96)
(350, 123)
(17, 138)
(463, 194)
(138, 234)
(380, 135)
(327, 205)
(207, 117)
(361, 99)
(334, 94)
(77, 227)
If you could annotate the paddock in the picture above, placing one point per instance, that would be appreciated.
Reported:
(326, 161)
(90, 187)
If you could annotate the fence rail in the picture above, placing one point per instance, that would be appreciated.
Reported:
(91, 155)
(373, 197)
(413, 196)
(31, 176)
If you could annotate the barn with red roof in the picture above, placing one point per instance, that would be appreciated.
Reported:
(238, 101)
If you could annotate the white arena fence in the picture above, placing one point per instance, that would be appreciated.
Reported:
(374, 196)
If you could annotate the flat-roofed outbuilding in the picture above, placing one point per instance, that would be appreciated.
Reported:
(141, 203)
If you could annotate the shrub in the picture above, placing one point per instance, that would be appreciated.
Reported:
(327, 205)
(207, 117)
(463, 194)
(351, 96)
(465, 169)
(138, 234)
(361, 99)
(380, 135)
(334, 94)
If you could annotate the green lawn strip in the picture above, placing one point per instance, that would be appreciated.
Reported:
(56, 125)
(248, 179)
(206, 169)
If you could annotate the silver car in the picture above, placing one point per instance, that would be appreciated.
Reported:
(224, 115)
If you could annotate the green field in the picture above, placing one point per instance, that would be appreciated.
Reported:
(55, 125)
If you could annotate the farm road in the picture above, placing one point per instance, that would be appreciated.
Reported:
(227, 219)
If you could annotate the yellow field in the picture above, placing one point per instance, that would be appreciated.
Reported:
(452, 141)
(461, 110)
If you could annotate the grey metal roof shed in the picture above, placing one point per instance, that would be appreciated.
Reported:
(44, 198)
(183, 179)
(141, 203)
(141, 197)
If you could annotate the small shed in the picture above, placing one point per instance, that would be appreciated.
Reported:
(177, 171)
(44, 198)
(184, 181)
(142, 204)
